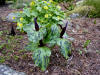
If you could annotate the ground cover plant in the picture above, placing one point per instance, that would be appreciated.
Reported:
(95, 4)
(62, 0)
(42, 22)
(86, 8)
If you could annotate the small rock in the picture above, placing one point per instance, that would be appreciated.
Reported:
(75, 72)
(5, 70)
(77, 27)
(74, 31)
(74, 15)
(46, 71)
(10, 17)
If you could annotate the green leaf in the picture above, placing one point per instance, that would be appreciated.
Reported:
(51, 43)
(36, 36)
(31, 46)
(41, 57)
(34, 13)
(27, 12)
(55, 30)
(39, 8)
(86, 43)
(29, 27)
(65, 47)
(52, 35)
(57, 13)
(55, 18)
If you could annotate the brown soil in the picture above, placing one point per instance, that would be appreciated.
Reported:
(87, 63)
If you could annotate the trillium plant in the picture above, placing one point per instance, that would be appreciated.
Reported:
(42, 22)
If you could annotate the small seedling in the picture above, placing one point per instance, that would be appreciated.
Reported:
(2, 45)
(21, 51)
(24, 56)
(1, 33)
(9, 53)
(86, 43)
(94, 21)
(80, 52)
(6, 31)
(85, 50)
(7, 57)
(3, 52)
(2, 59)
(97, 51)
(19, 37)
(16, 57)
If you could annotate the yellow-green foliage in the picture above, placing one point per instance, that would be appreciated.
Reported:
(19, 3)
(96, 5)
(80, 9)
(90, 8)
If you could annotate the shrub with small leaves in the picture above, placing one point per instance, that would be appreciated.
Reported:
(42, 22)
(63, 0)
(96, 5)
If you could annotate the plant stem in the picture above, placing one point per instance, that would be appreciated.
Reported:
(41, 43)
(37, 29)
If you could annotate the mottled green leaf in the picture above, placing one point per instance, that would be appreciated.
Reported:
(52, 35)
(29, 28)
(41, 57)
(27, 12)
(34, 13)
(31, 46)
(36, 36)
(65, 47)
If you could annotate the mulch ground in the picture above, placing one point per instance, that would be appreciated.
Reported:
(87, 63)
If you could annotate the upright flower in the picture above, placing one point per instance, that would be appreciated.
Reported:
(32, 3)
(50, 0)
(13, 18)
(46, 15)
(50, 15)
(21, 19)
(58, 7)
(45, 7)
(48, 3)
(19, 24)
(45, 1)
(21, 11)
(58, 17)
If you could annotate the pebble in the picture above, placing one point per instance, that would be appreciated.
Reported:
(74, 15)
(5, 70)
(10, 16)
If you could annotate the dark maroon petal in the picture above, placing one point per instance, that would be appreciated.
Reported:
(12, 32)
(63, 30)
(36, 24)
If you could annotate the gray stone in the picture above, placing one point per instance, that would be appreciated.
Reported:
(74, 15)
(78, 27)
(5, 70)
(10, 17)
